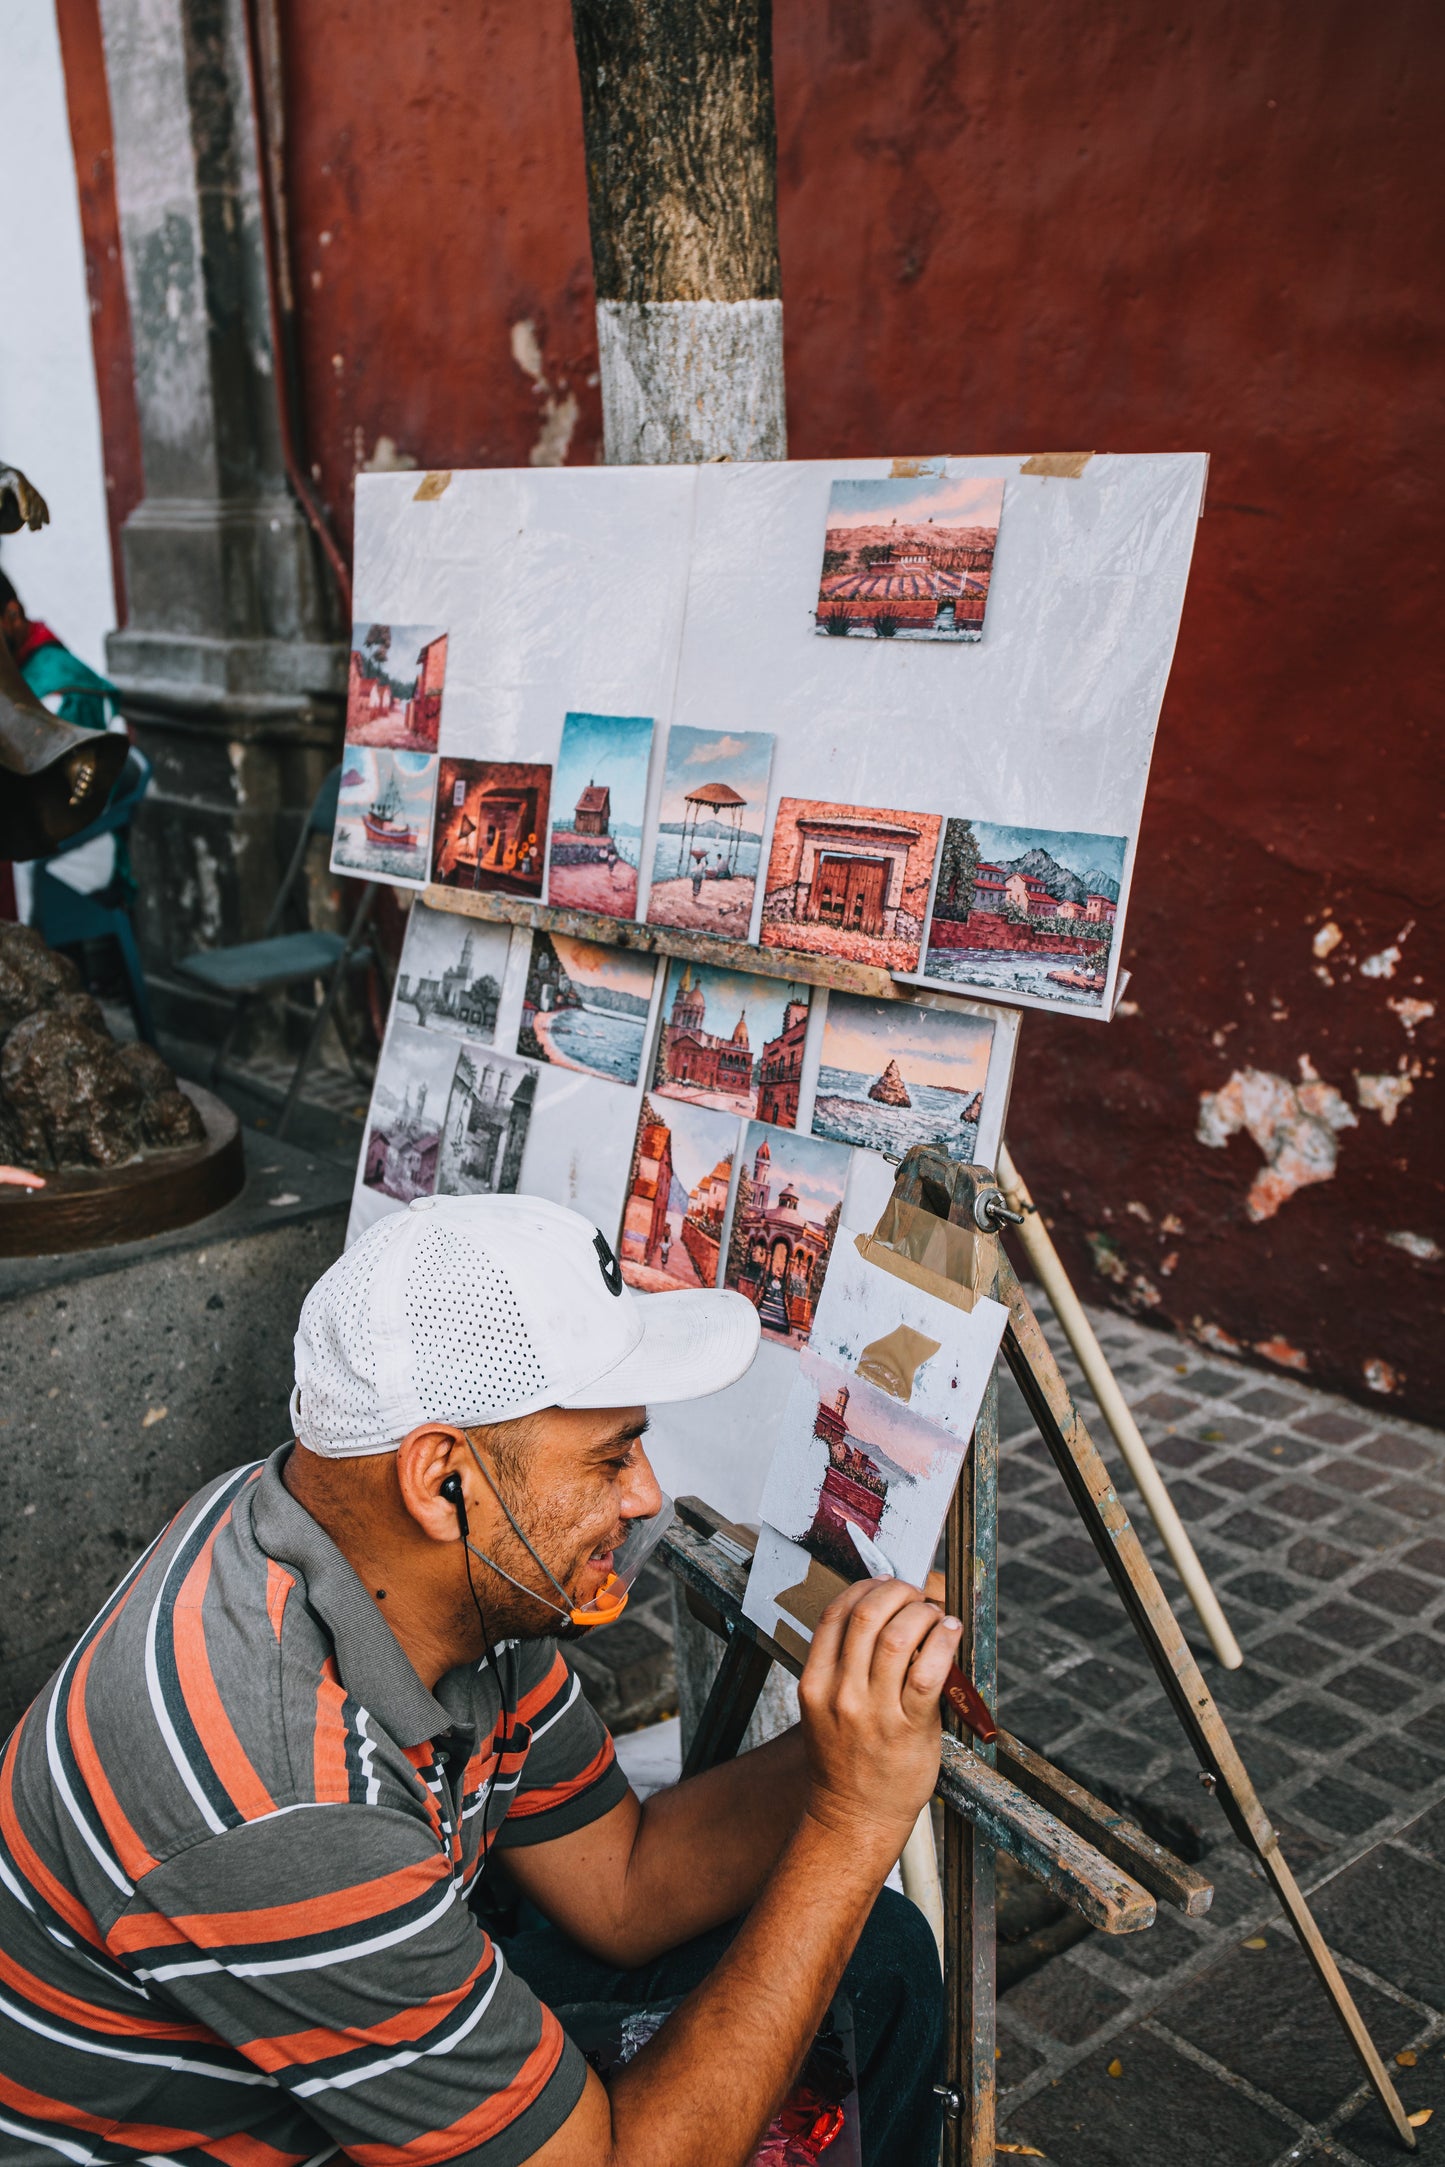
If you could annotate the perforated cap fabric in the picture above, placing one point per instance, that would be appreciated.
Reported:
(475, 1309)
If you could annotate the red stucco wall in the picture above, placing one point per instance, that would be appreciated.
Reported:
(1086, 223)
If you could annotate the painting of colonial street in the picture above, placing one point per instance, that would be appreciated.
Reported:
(710, 830)
(384, 814)
(394, 686)
(585, 1007)
(451, 972)
(491, 824)
(408, 1105)
(677, 1193)
(908, 560)
(732, 1040)
(1026, 910)
(849, 880)
(785, 1217)
(599, 794)
(489, 1109)
(894, 1074)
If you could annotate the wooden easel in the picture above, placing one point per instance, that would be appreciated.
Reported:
(1005, 1796)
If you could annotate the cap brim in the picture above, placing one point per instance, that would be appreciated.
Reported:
(693, 1342)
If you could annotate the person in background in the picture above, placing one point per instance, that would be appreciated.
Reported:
(49, 667)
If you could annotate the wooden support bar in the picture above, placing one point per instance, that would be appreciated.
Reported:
(1156, 1869)
(728, 1709)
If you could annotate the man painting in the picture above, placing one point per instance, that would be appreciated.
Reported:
(245, 1829)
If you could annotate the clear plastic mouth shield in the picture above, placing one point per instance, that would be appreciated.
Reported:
(628, 1559)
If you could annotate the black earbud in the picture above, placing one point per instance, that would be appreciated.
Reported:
(451, 1490)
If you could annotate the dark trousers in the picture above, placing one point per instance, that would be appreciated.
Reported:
(892, 1983)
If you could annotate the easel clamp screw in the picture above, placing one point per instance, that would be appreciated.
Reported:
(990, 1211)
(952, 2100)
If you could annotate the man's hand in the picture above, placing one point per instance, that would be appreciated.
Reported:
(869, 1697)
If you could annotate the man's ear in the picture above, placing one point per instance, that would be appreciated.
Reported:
(424, 1459)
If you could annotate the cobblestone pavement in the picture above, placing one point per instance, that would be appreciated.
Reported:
(1322, 1525)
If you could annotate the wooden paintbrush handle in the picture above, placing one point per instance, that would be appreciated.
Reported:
(963, 1697)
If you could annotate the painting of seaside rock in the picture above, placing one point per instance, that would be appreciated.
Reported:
(909, 560)
(894, 1074)
(599, 792)
(1026, 910)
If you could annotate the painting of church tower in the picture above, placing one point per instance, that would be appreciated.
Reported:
(723, 1033)
(789, 1202)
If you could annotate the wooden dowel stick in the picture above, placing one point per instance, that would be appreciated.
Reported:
(918, 1868)
(1049, 1270)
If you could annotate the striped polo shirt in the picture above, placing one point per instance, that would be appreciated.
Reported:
(236, 1839)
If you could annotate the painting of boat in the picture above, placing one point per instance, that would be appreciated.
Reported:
(383, 822)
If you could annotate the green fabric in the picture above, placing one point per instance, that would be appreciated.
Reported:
(53, 668)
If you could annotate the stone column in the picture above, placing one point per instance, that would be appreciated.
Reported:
(232, 663)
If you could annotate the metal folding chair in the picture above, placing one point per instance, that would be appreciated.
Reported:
(64, 914)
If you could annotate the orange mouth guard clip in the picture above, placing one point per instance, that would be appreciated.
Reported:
(605, 1607)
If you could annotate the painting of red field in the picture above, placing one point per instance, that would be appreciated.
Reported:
(491, 821)
(849, 881)
(677, 1197)
(909, 560)
(394, 687)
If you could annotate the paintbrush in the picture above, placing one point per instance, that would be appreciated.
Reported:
(959, 1691)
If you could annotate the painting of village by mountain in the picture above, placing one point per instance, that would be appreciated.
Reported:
(710, 830)
(408, 1107)
(599, 794)
(585, 1007)
(394, 687)
(894, 1074)
(908, 560)
(450, 977)
(785, 1218)
(732, 1040)
(677, 1194)
(1026, 910)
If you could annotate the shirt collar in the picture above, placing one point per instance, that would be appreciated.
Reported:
(371, 1662)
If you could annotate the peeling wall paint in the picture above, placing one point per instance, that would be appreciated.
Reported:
(1294, 1126)
(558, 409)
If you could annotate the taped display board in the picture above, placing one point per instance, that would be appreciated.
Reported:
(901, 720)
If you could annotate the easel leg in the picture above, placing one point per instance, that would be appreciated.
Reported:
(969, 1881)
(727, 1711)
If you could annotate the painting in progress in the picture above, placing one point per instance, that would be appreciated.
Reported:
(908, 560)
(677, 1195)
(710, 830)
(585, 1007)
(851, 881)
(394, 686)
(451, 972)
(408, 1107)
(484, 1133)
(599, 794)
(733, 1041)
(1026, 910)
(785, 1216)
(929, 1354)
(491, 819)
(894, 1074)
(384, 814)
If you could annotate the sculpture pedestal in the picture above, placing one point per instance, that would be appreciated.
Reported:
(91, 1207)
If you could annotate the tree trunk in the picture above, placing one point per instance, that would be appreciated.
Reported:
(677, 110)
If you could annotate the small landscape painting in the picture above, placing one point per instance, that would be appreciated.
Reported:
(1026, 910)
(849, 881)
(489, 1110)
(732, 1040)
(599, 794)
(491, 823)
(785, 1216)
(585, 1007)
(710, 830)
(408, 1106)
(909, 560)
(677, 1195)
(451, 973)
(394, 688)
(894, 1074)
(384, 814)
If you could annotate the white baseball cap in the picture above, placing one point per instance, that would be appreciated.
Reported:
(472, 1309)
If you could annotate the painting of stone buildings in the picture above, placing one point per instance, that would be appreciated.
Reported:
(491, 825)
(849, 1453)
(732, 1040)
(1026, 910)
(451, 972)
(894, 1073)
(908, 560)
(599, 794)
(408, 1105)
(677, 1194)
(710, 830)
(785, 1217)
(585, 1007)
(394, 686)
(384, 814)
(485, 1129)
(851, 881)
